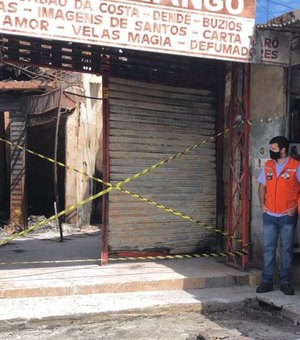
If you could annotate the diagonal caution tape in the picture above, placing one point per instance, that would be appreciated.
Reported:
(127, 180)
(136, 175)
(54, 217)
(182, 215)
(171, 158)
(133, 258)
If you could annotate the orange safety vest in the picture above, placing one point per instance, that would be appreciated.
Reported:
(282, 192)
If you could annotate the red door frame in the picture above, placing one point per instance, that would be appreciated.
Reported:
(239, 178)
(106, 161)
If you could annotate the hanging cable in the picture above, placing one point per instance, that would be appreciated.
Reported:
(82, 95)
(31, 73)
(280, 4)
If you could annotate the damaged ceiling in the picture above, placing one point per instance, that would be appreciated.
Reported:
(34, 91)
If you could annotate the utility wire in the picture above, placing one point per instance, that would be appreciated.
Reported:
(82, 95)
(31, 73)
(280, 4)
(268, 7)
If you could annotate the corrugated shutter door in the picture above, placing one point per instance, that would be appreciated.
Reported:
(148, 123)
(18, 210)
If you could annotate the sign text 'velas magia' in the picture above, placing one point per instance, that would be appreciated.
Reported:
(219, 29)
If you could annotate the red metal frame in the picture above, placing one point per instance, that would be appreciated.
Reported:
(106, 166)
(219, 165)
(238, 192)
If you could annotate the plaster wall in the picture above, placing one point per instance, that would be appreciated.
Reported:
(268, 112)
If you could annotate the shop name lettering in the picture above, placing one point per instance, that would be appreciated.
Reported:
(234, 7)
(112, 22)
(157, 31)
(269, 49)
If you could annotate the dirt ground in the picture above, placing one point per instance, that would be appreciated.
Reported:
(249, 321)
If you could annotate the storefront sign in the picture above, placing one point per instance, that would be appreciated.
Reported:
(219, 29)
(271, 47)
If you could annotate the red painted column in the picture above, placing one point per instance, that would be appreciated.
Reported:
(239, 178)
(106, 162)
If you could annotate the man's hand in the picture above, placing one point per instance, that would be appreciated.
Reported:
(292, 211)
(264, 208)
(261, 194)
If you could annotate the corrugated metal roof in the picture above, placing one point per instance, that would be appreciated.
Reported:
(25, 86)
(289, 22)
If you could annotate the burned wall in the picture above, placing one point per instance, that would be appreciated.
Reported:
(3, 181)
(84, 148)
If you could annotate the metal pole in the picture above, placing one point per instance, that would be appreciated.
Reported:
(56, 190)
(106, 163)
(246, 181)
(220, 161)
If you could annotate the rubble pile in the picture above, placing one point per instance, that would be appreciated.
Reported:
(36, 219)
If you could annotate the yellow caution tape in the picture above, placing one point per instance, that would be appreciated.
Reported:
(105, 92)
(134, 258)
(174, 257)
(54, 217)
(118, 187)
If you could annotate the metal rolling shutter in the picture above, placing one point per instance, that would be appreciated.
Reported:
(18, 209)
(148, 123)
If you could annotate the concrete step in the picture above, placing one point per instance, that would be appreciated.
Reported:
(51, 279)
(40, 266)
(121, 277)
(103, 305)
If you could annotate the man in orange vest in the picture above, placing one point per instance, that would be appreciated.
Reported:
(279, 194)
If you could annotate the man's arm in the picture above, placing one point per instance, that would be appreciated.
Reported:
(261, 194)
(298, 177)
(293, 211)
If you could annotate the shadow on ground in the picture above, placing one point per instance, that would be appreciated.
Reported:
(45, 250)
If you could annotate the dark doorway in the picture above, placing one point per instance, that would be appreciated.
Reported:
(295, 122)
(40, 173)
(4, 168)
